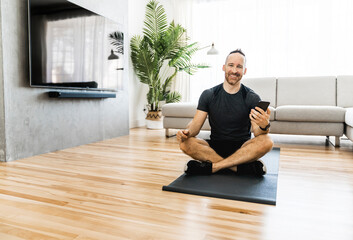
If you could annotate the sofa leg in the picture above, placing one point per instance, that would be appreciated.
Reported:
(328, 142)
(337, 141)
(168, 134)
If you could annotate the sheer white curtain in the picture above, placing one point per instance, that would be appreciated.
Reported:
(279, 37)
(183, 10)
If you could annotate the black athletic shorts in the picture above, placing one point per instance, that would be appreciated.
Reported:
(225, 148)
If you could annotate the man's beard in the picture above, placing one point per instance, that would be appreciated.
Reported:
(233, 81)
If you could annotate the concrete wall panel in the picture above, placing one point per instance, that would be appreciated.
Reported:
(35, 123)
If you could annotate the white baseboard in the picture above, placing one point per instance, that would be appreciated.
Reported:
(138, 123)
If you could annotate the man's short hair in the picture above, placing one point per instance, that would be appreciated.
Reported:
(240, 52)
(237, 51)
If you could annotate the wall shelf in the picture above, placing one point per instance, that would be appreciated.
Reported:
(72, 94)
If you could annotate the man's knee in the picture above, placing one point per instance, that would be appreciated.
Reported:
(185, 146)
(263, 143)
(190, 145)
(267, 143)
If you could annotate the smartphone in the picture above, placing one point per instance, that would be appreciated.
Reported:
(263, 105)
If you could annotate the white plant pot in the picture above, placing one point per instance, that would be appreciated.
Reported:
(154, 120)
(154, 124)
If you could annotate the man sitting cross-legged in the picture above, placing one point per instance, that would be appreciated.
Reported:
(231, 109)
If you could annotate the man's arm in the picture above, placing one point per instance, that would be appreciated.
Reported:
(193, 127)
(258, 119)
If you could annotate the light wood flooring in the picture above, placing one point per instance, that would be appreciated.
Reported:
(113, 190)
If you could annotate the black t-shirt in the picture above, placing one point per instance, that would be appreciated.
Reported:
(228, 113)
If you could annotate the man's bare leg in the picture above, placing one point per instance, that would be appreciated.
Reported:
(251, 151)
(199, 149)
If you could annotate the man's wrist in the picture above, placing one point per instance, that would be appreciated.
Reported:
(266, 128)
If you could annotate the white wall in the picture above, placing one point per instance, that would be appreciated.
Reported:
(113, 9)
(137, 90)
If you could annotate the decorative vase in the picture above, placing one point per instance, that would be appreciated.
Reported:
(154, 120)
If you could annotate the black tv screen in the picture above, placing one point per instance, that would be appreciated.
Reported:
(72, 47)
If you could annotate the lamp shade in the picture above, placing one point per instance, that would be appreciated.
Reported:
(212, 51)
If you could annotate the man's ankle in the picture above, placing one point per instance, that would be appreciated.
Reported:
(215, 167)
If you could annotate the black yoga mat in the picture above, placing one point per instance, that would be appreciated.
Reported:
(226, 184)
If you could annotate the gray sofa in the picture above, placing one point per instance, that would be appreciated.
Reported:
(320, 106)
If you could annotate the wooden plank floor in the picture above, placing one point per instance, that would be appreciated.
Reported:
(113, 190)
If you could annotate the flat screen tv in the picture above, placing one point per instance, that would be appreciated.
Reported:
(72, 47)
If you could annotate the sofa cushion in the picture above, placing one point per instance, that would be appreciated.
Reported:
(185, 109)
(319, 91)
(349, 116)
(349, 132)
(265, 87)
(298, 113)
(344, 91)
(307, 128)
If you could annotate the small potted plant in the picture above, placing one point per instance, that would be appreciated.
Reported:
(161, 45)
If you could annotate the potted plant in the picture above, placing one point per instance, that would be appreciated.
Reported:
(161, 45)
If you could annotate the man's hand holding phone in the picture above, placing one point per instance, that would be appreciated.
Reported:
(261, 114)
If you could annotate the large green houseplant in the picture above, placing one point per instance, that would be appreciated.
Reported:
(161, 44)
